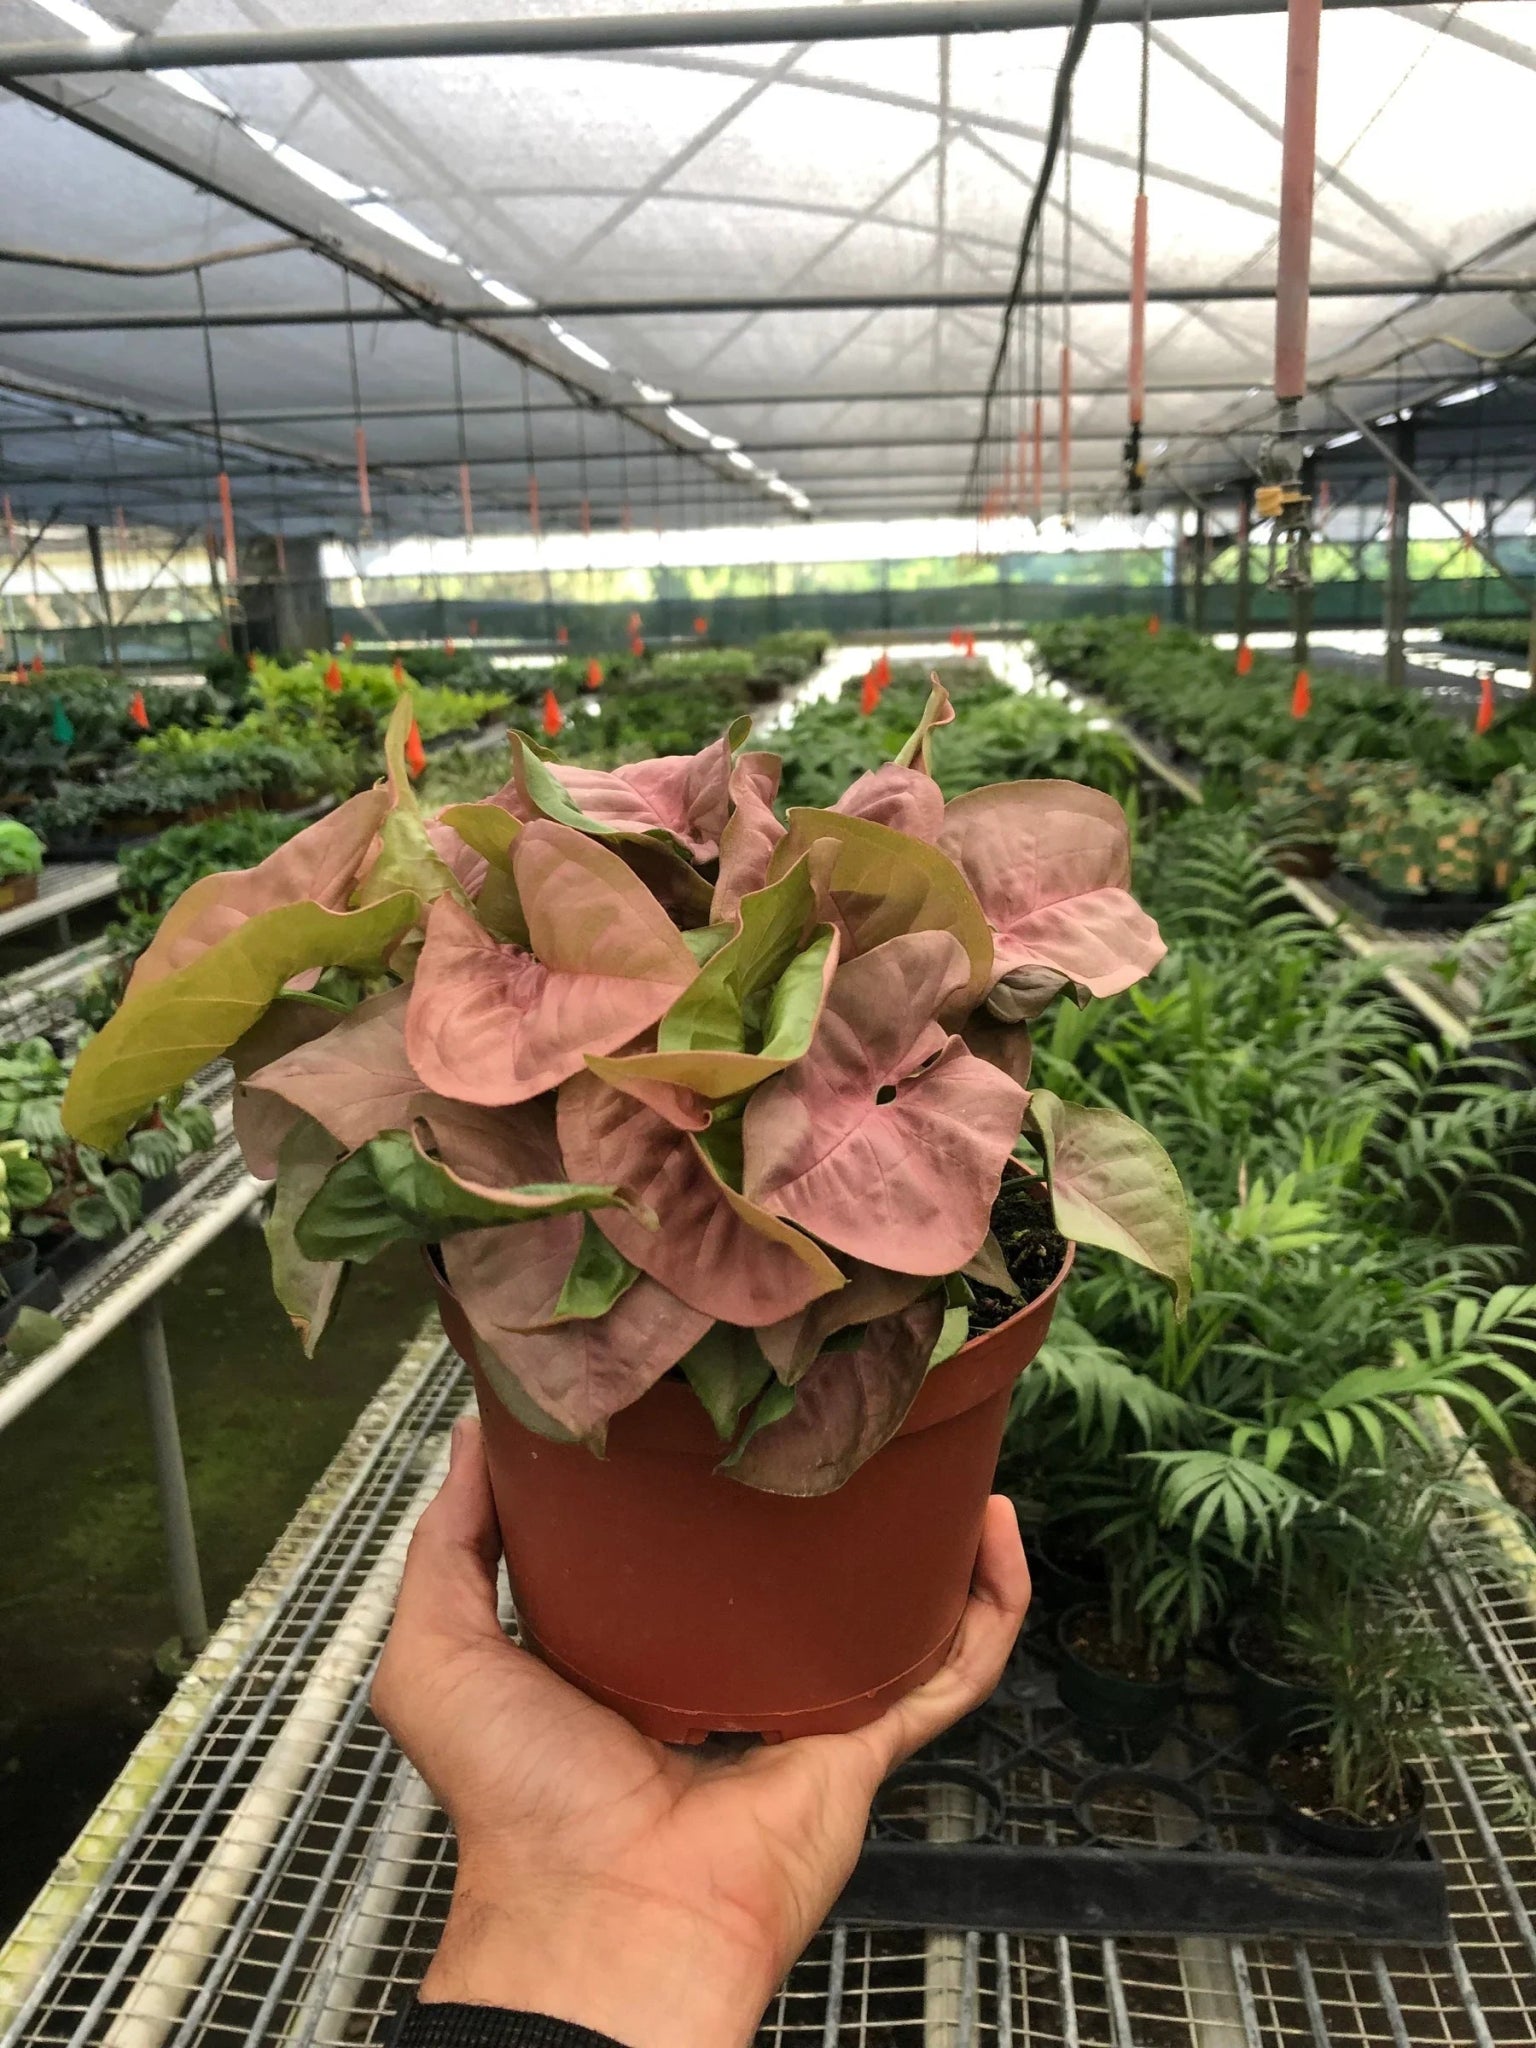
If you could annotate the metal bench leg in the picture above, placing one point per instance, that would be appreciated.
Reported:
(171, 1480)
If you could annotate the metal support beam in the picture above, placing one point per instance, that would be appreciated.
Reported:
(589, 35)
(1399, 502)
(171, 1480)
(927, 301)
(1407, 474)
(1197, 578)
(104, 598)
(32, 540)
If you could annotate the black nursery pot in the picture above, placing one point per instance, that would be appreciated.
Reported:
(1118, 1716)
(1341, 1835)
(1063, 1571)
(1276, 1711)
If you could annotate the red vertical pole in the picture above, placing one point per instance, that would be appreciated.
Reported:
(466, 501)
(364, 494)
(1136, 372)
(1298, 172)
(227, 515)
(1064, 431)
(1022, 506)
(1037, 467)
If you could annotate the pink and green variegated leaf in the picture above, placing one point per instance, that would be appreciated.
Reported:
(906, 799)
(937, 711)
(486, 835)
(493, 1023)
(877, 884)
(848, 1405)
(872, 1292)
(682, 796)
(307, 1288)
(159, 1038)
(1113, 1185)
(406, 857)
(1050, 863)
(888, 1140)
(751, 1011)
(263, 1120)
(751, 833)
(579, 1372)
(318, 865)
(716, 1250)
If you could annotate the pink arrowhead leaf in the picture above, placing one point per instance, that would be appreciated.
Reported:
(906, 799)
(888, 1139)
(750, 835)
(877, 884)
(580, 1372)
(494, 1023)
(261, 1119)
(685, 796)
(355, 1080)
(1007, 1047)
(715, 1250)
(936, 712)
(1050, 863)
(318, 865)
(872, 1292)
(467, 867)
(847, 1406)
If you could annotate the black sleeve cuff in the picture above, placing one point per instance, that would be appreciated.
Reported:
(489, 2026)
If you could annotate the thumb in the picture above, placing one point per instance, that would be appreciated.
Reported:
(449, 1583)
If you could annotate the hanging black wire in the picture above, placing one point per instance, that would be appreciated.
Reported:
(1134, 474)
(1061, 99)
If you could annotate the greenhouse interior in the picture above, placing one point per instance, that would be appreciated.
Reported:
(768, 957)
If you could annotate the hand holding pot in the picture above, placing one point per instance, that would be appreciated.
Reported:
(653, 1895)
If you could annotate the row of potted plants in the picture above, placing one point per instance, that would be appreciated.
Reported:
(61, 1200)
(21, 863)
(1373, 778)
(1257, 1486)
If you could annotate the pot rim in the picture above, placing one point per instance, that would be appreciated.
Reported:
(1413, 1781)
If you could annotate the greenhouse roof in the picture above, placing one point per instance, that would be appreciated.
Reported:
(707, 279)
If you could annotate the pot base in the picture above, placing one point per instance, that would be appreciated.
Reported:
(677, 1725)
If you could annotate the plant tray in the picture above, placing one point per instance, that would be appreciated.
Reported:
(1412, 913)
(1008, 1824)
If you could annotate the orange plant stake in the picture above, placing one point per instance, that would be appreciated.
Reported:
(1154, 625)
(553, 719)
(594, 674)
(333, 678)
(869, 696)
(448, 648)
(1301, 694)
(398, 672)
(701, 625)
(634, 625)
(37, 664)
(348, 641)
(1484, 703)
(138, 711)
(969, 645)
(637, 647)
(882, 671)
(415, 752)
(1244, 658)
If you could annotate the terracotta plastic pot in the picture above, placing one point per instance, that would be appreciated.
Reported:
(692, 1604)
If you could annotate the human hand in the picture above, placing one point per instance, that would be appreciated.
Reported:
(656, 1895)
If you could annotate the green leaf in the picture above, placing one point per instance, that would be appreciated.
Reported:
(307, 1288)
(599, 1275)
(726, 1370)
(161, 1037)
(953, 1332)
(33, 1333)
(773, 1405)
(1114, 1186)
(390, 1191)
(705, 940)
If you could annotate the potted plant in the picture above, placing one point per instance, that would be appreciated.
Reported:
(25, 1183)
(21, 862)
(706, 1116)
